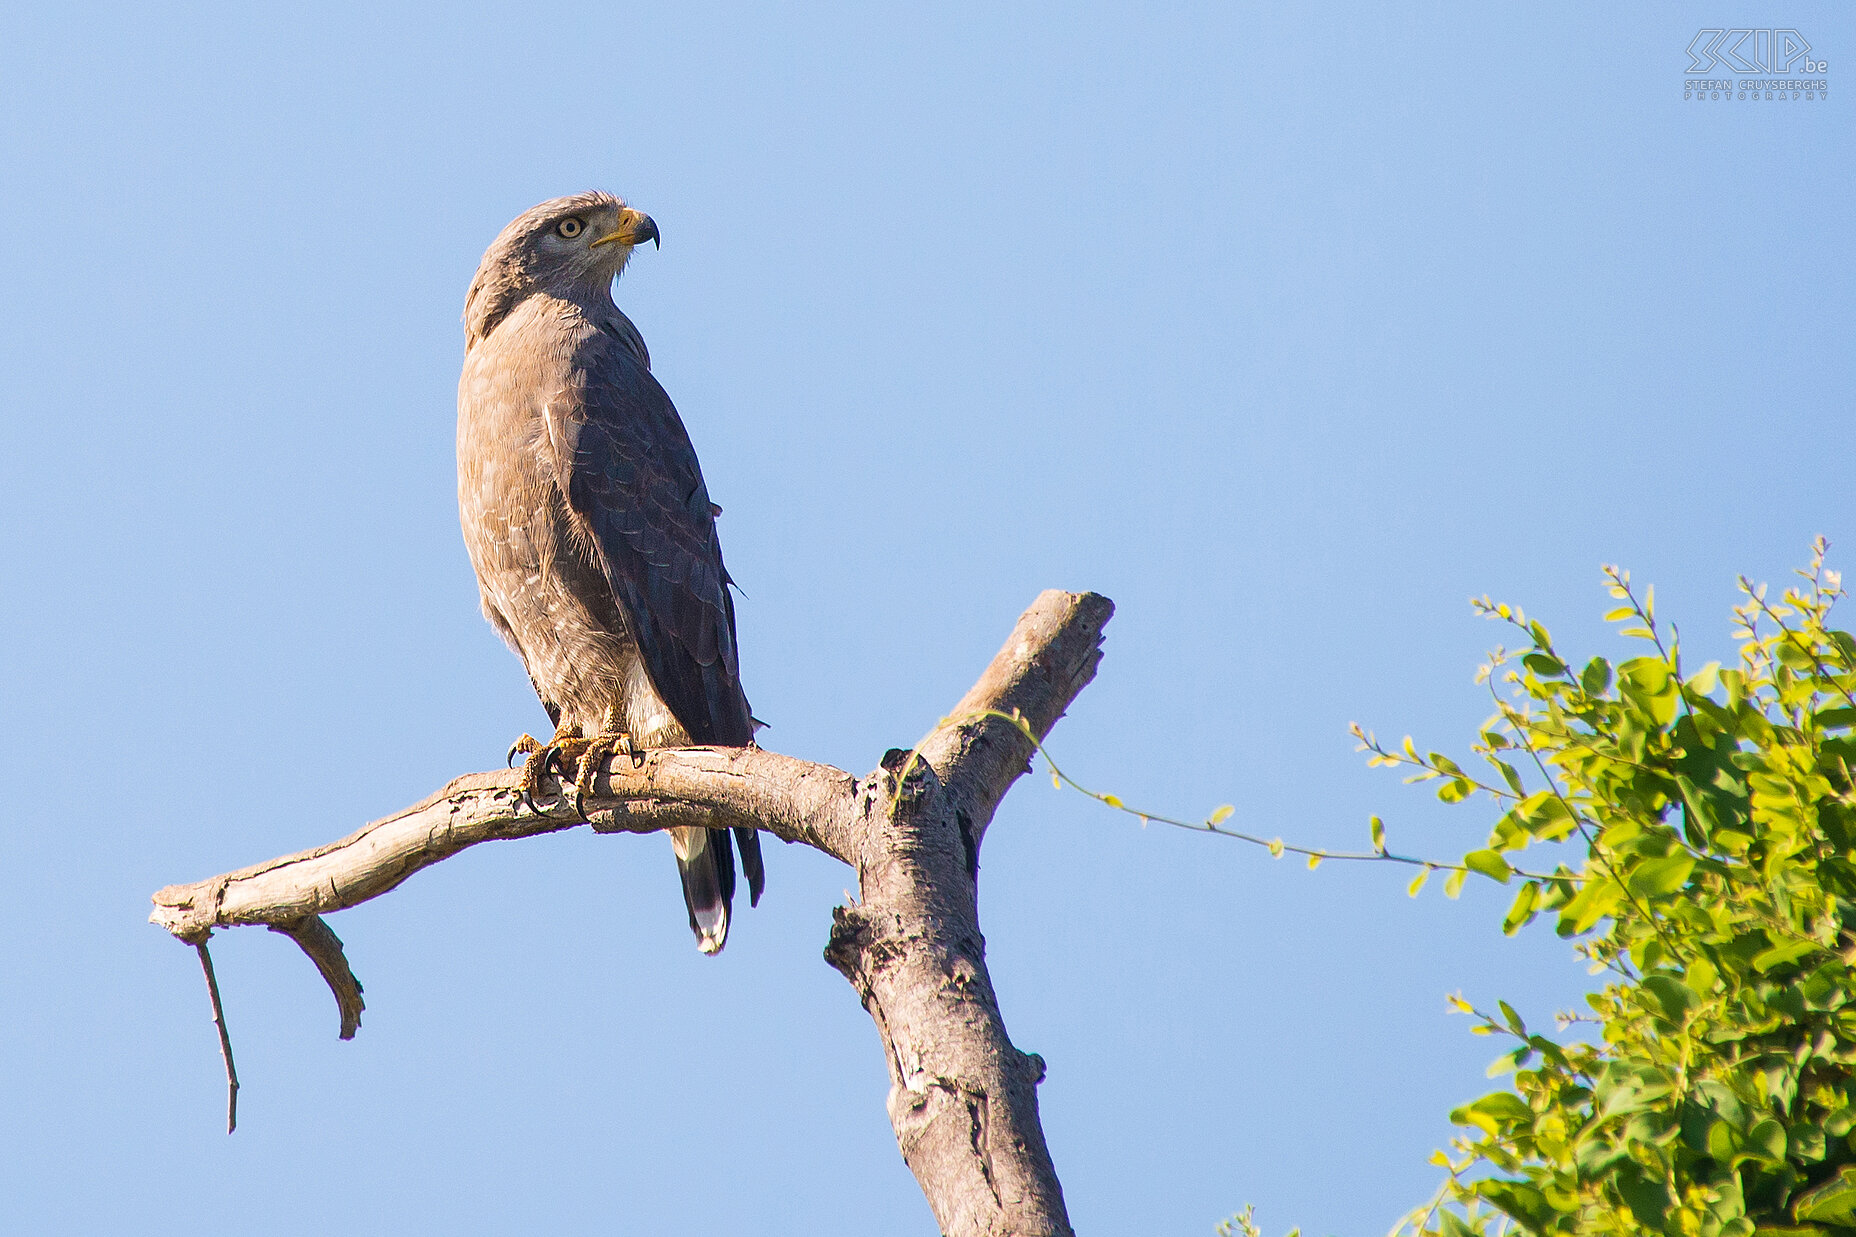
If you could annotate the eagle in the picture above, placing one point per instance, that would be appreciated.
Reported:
(590, 528)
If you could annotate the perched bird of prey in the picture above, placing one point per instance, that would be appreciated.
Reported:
(590, 527)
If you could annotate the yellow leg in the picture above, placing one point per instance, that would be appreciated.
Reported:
(593, 758)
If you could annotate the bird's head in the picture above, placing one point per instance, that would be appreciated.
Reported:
(570, 247)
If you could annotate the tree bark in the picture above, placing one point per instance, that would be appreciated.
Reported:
(962, 1100)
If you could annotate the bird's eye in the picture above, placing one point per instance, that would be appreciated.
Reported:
(570, 228)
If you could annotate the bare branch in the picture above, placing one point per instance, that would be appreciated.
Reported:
(792, 799)
(963, 1100)
(1049, 658)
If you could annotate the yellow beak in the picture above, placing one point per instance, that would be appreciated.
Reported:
(635, 228)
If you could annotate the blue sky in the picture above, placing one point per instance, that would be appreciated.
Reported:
(1289, 332)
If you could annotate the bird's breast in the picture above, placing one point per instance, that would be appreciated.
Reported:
(542, 583)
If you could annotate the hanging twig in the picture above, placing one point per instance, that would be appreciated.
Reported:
(225, 1039)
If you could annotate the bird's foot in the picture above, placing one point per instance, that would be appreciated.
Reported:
(593, 753)
(568, 749)
(543, 758)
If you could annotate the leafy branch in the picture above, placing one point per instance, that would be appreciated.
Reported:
(1718, 815)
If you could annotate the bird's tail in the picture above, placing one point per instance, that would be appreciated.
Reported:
(707, 864)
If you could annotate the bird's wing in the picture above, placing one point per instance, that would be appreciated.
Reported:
(631, 478)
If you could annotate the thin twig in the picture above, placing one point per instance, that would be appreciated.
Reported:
(1276, 846)
(225, 1039)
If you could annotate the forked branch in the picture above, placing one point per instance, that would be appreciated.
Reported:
(963, 1100)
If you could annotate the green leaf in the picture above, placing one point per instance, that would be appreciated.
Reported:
(1695, 805)
(1655, 878)
(1782, 953)
(1455, 790)
(1222, 813)
(1723, 1142)
(1767, 1139)
(1647, 682)
(1490, 864)
(1523, 909)
(1417, 882)
(1543, 664)
(1453, 883)
(1593, 902)
(1596, 676)
(1675, 999)
(1647, 1198)
(1378, 829)
(1523, 1202)
(1449, 1224)
(1493, 1111)
(1833, 1202)
(1543, 814)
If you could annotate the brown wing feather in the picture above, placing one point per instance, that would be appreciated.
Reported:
(630, 473)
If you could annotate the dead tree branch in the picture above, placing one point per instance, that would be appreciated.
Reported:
(963, 1100)
(324, 948)
(225, 1037)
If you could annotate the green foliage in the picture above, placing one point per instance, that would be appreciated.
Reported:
(1715, 820)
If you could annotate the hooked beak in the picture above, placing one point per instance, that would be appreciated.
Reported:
(635, 228)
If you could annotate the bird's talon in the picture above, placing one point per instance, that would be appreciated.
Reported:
(522, 746)
(543, 759)
(586, 774)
